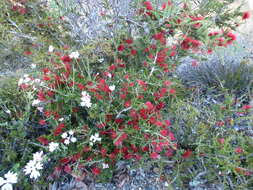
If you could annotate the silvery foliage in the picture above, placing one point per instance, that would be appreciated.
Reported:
(90, 19)
(229, 67)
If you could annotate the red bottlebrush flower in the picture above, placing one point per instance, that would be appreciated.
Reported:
(112, 67)
(145, 149)
(46, 78)
(129, 41)
(76, 157)
(96, 171)
(172, 137)
(164, 132)
(67, 169)
(103, 152)
(168, 123)
(148, 5)
(246, 107)
(41, 96)
(173, 53)
(238, 150)
(121, 47)
(45, 70)
(162, 55)
(172, 91)
(28, 53)
(167, 83)
(169, 152)
(221, 140)
(187, 154)
(149, 105)
(159, 124)
(43, 140)
(154, 155)
(164, 6)
(64, 160)
(194, 63)
(66, 59)
(246, 15)
(127, 104)
(209, 51)
(133, 52)
(232, 37)
(42, 122)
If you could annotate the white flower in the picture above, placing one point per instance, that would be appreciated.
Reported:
(21, 80)
(26, 75)
(50, 49)
(61, 119)
(95, 138)
(40, 109)
(86, 104)
(74, 55)
(85, 94)
(35, 102)
(101, 60)
(112, 88)
(2, 181)
(33, 66)
(38, 156)
(105, 166)
(64, 135)
(8, 111)
(26, 80)
(11, 177)
(53, 146)
(109, 75)
(66, 141)
(73, 139)
(71, 132)
(37, 80)
(32, 168)
(7, 186)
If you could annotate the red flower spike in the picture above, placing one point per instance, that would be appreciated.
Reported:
(238, 150)
(187, 154)
(67, 169)
(121, 47)
(246, 107)
(42, 122)
(129, 41)
(172, 91)
(148, 5)
(149, 105)
(66, 59)
(127, 104)
(133, 52)
(246, 15)
(221, 140)
(28, 53)
(43, 140)
(154, 155)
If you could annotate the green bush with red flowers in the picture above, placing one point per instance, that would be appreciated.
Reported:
(94, 115)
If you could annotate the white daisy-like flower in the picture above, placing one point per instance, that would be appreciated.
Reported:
(101, 60)
(7, 186)
(67, 141)
(85, 99)
(33, 66)
(38, 156)
(74, 55)
(73, 139)
(21, 80)
(86, 104)
(112, 88)
(8, 111)
(71, 132)
(94, 138)
(35, 102)
(50, 49)
(40, 109)
(104, 166)
(64, 135)
(32, 168)
(53, 146)
(11, 177)
(61, 119)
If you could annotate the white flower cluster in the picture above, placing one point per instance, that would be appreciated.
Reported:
(85, 99)
(68, 137)
(24, 80)
(27, 80)
(74, 55)
(94, 138)
(50, 49)
(53, 146)
(10, 178)
(33, 166)
(112, 88)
